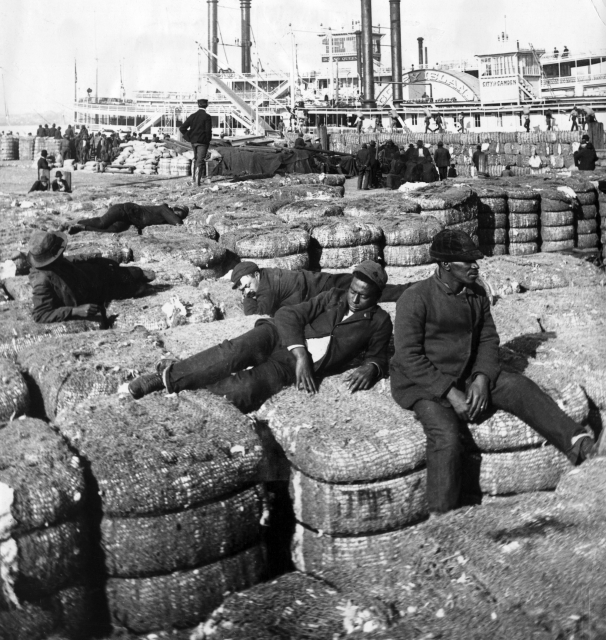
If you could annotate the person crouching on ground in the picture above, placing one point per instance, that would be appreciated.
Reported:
(446, 369)
(306, 340)
(77, 287)
(40, 185)
(120, 217)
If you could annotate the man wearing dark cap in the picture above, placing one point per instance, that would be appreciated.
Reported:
(60, 184)
(585, 156)
(40, 185)
(446, 369)
(442, 159)
(68, 288)
(265, 290)
(198, 131)
(304, 341)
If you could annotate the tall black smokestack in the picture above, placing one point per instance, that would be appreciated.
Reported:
(369, 74)
(426, 58)
(396, 50)
(213, 41)
(245, 40)
(420, 41)
(359, 56)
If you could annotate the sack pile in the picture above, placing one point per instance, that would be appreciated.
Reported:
(586, 216)
(557, 220)
(524, 205)
(179, 509)
(344, 243)
(493, 235)
(408, 238)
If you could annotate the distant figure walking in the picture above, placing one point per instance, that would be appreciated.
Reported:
(549, 119)
(574, 114)
(442, 160)
(527, 122)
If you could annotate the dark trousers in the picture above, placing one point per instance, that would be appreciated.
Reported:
(514, 393)
(575, 126)
(363, 178)
(114, 220)
(223, 369)
(200, 151)
(443, 171)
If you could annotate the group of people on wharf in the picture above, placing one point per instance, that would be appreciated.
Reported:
(446, 363)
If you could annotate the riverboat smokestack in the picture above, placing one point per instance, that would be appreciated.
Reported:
(213, 40)
(369, 74)
(245, 40)
(420, 41)
(396, 50)
(426, 58)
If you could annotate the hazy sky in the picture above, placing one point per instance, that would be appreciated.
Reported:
(155, 39)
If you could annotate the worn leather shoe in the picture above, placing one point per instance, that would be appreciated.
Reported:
(145, 384)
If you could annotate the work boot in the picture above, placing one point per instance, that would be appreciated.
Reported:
(162, 369)
(591, 448)
(145, 384)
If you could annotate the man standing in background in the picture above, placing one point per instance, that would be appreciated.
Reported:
(442, 160)
(198, 131)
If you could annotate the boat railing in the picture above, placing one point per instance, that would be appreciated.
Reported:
(545, 82)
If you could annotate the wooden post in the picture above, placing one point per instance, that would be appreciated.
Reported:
(323, 134)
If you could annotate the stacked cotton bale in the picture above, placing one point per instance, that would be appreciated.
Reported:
(524, 206)
(19, 331)
(344, 243)
(408, 238)
(70, 369)
(557, 221)
(179, 508)
(44, 540)
(308, 211)
(602, 212)
(380, 205)
(26, 147)
(493, 234)
(357, 480)
(455, 208)
(280, 247)
(513, 458)
(14, 395)
(586, 216)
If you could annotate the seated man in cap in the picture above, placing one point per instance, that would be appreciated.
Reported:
(120, 217)
(198, 130)
(266, 290)
(307, 340)
(40, 185)
(67, 288)
(60, 184)
(585, 157)
(446, 369)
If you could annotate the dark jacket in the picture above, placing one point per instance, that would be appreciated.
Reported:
(198, 128)
(441, 339)
(585, 158)
(39, 186)
(442, 157)
(40, 132)
(60, 185)
(146, 216)
(70, 282)
(364, 158)
(480, 161)
(365, 332)
(282, 287)
(43, 164)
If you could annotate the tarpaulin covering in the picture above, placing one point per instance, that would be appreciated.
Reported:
(248, 161)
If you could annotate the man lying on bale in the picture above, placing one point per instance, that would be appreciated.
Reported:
(71, 288)
(120, 217)
(306, 340)
(264, 291)
(446, 369)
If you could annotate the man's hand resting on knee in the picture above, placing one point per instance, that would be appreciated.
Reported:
(304, 370)
(469, 406)
(362, 378)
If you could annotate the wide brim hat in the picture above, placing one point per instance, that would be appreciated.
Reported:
(45, 247)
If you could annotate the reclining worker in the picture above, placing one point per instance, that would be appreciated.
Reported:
(68, 288)
(312, 338)
(264, 291)
(446, 369)
(120, 217)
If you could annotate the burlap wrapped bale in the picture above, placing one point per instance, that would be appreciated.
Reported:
(490, 250)
(380, 205)
(557, 234)
(198, 536)
(267, 243)
(333, 179)
(587, 241)
(586, 199)
(534, 469)
(521, 193)
(18, 288)
(449, 217)
(470, 228)
(334, 436)
(523, 234)
(176, 245)
(587, 226)
(523, 206)
(492, 220)
(162, 453)
(294, 262)
(67, 613)
(403, 255)
(183, 598)
(14, 395)
(18, 330)
(197, 227)
(344, 257)
(519, 248)
(557, 218)
(554, 205)
(305, 209)
(492, 236)
(586, 212)
(303, 192)
(73, 368)
(409, 229)
(100, 245)
(494, 205)
(227, 222)
(434, 197)
(356, 508)
(179, 271)
(523, 220)
(558, 245)
(346, 233)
